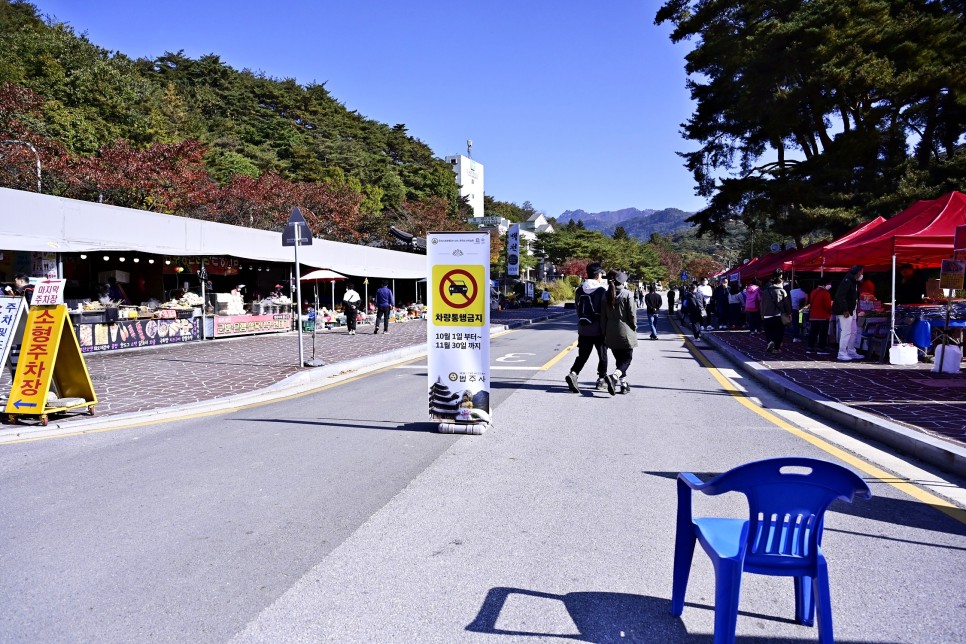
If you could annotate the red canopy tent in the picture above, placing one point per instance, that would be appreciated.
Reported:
(769, 263)
(921, 235)
(810, 257)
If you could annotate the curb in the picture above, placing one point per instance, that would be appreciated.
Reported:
(947, 456)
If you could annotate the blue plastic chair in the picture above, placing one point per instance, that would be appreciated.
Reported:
(787, 499)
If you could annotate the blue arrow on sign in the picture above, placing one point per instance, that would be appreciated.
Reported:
(21, 403)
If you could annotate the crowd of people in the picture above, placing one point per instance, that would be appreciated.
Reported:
(773, 308)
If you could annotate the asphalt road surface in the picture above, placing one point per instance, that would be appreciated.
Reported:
(341, 515)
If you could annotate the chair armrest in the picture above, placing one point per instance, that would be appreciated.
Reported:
(691, 481)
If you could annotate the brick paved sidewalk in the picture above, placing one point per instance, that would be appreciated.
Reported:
(179, 374)
(912, 395)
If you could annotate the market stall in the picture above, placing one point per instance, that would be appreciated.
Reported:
(108, 326)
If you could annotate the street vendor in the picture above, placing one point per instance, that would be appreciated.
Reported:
(909, 286)
(21, 286)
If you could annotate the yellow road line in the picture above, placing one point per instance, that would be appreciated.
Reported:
(557, 358)
(876, 473)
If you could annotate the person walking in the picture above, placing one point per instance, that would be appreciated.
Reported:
(736, 305)
(753, 306)
(590, 334)
(545, 298)
(843, 308)
(384, 305)
(694, 304)
(705, 295)
(798, 298)
(653, 303)
(819, 313)
(350, 306)
(721, 294)
(774, 304)
(671, 293)
(618, 318)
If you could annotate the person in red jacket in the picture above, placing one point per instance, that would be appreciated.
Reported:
(819, 312)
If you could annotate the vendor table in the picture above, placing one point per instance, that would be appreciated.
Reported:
(95, 333)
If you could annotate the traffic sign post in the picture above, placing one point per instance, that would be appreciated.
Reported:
(296, 233)
(458, 264)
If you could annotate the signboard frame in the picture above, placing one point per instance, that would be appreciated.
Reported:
(49, 354)
(458, 330)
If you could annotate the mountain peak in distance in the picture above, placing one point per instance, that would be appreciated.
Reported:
(639, 224)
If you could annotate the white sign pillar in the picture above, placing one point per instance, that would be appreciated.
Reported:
(458, 330)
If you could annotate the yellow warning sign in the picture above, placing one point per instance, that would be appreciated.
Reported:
(49, 354)
(460, 295)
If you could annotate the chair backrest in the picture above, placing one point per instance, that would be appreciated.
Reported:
(787, 499)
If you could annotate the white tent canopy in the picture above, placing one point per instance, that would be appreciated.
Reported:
(36, 222)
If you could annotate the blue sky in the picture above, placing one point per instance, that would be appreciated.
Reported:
(570, 104)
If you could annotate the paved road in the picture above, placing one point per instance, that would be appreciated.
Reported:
(340, 516)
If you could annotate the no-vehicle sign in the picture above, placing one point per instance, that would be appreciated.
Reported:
(457, 300)
(458, 331)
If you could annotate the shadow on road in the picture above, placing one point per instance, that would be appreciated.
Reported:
(600, 617)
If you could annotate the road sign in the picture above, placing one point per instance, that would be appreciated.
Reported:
(457, 300)
(296, 228)
(49, 354)
(48, 292)
(457, 332)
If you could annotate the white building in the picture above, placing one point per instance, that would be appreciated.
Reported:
(469, 177)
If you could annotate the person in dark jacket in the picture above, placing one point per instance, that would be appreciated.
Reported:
(384, 305)
(671, 293)
(721, 293)
(590, 334)
(843, 308)
(774, 303)
(618, 318)
(653, 302)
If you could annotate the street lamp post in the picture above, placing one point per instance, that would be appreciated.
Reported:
(32, 149)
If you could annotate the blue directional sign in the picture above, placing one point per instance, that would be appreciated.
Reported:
(296, 222)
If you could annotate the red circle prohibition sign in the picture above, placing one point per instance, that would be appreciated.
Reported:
(448, 286)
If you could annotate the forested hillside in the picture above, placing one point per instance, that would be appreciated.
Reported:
(196, 137)
(640, 224)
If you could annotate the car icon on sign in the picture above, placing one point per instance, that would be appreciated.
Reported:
(458, 286)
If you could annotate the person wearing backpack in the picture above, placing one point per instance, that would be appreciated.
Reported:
(618, 317)
(653, 302)
(590, 335)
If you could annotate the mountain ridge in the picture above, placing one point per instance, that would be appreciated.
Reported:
(639, 224)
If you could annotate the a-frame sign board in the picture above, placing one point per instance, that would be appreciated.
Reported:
(49, 354)
(11, 312)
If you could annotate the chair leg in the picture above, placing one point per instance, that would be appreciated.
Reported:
(727, 592)
(804, 601)
(823, 603)
(683, 555)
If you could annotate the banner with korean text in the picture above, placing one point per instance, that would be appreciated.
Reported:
(458, 332)
(513, 251)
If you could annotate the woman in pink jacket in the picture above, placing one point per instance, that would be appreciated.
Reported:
(753, 306)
